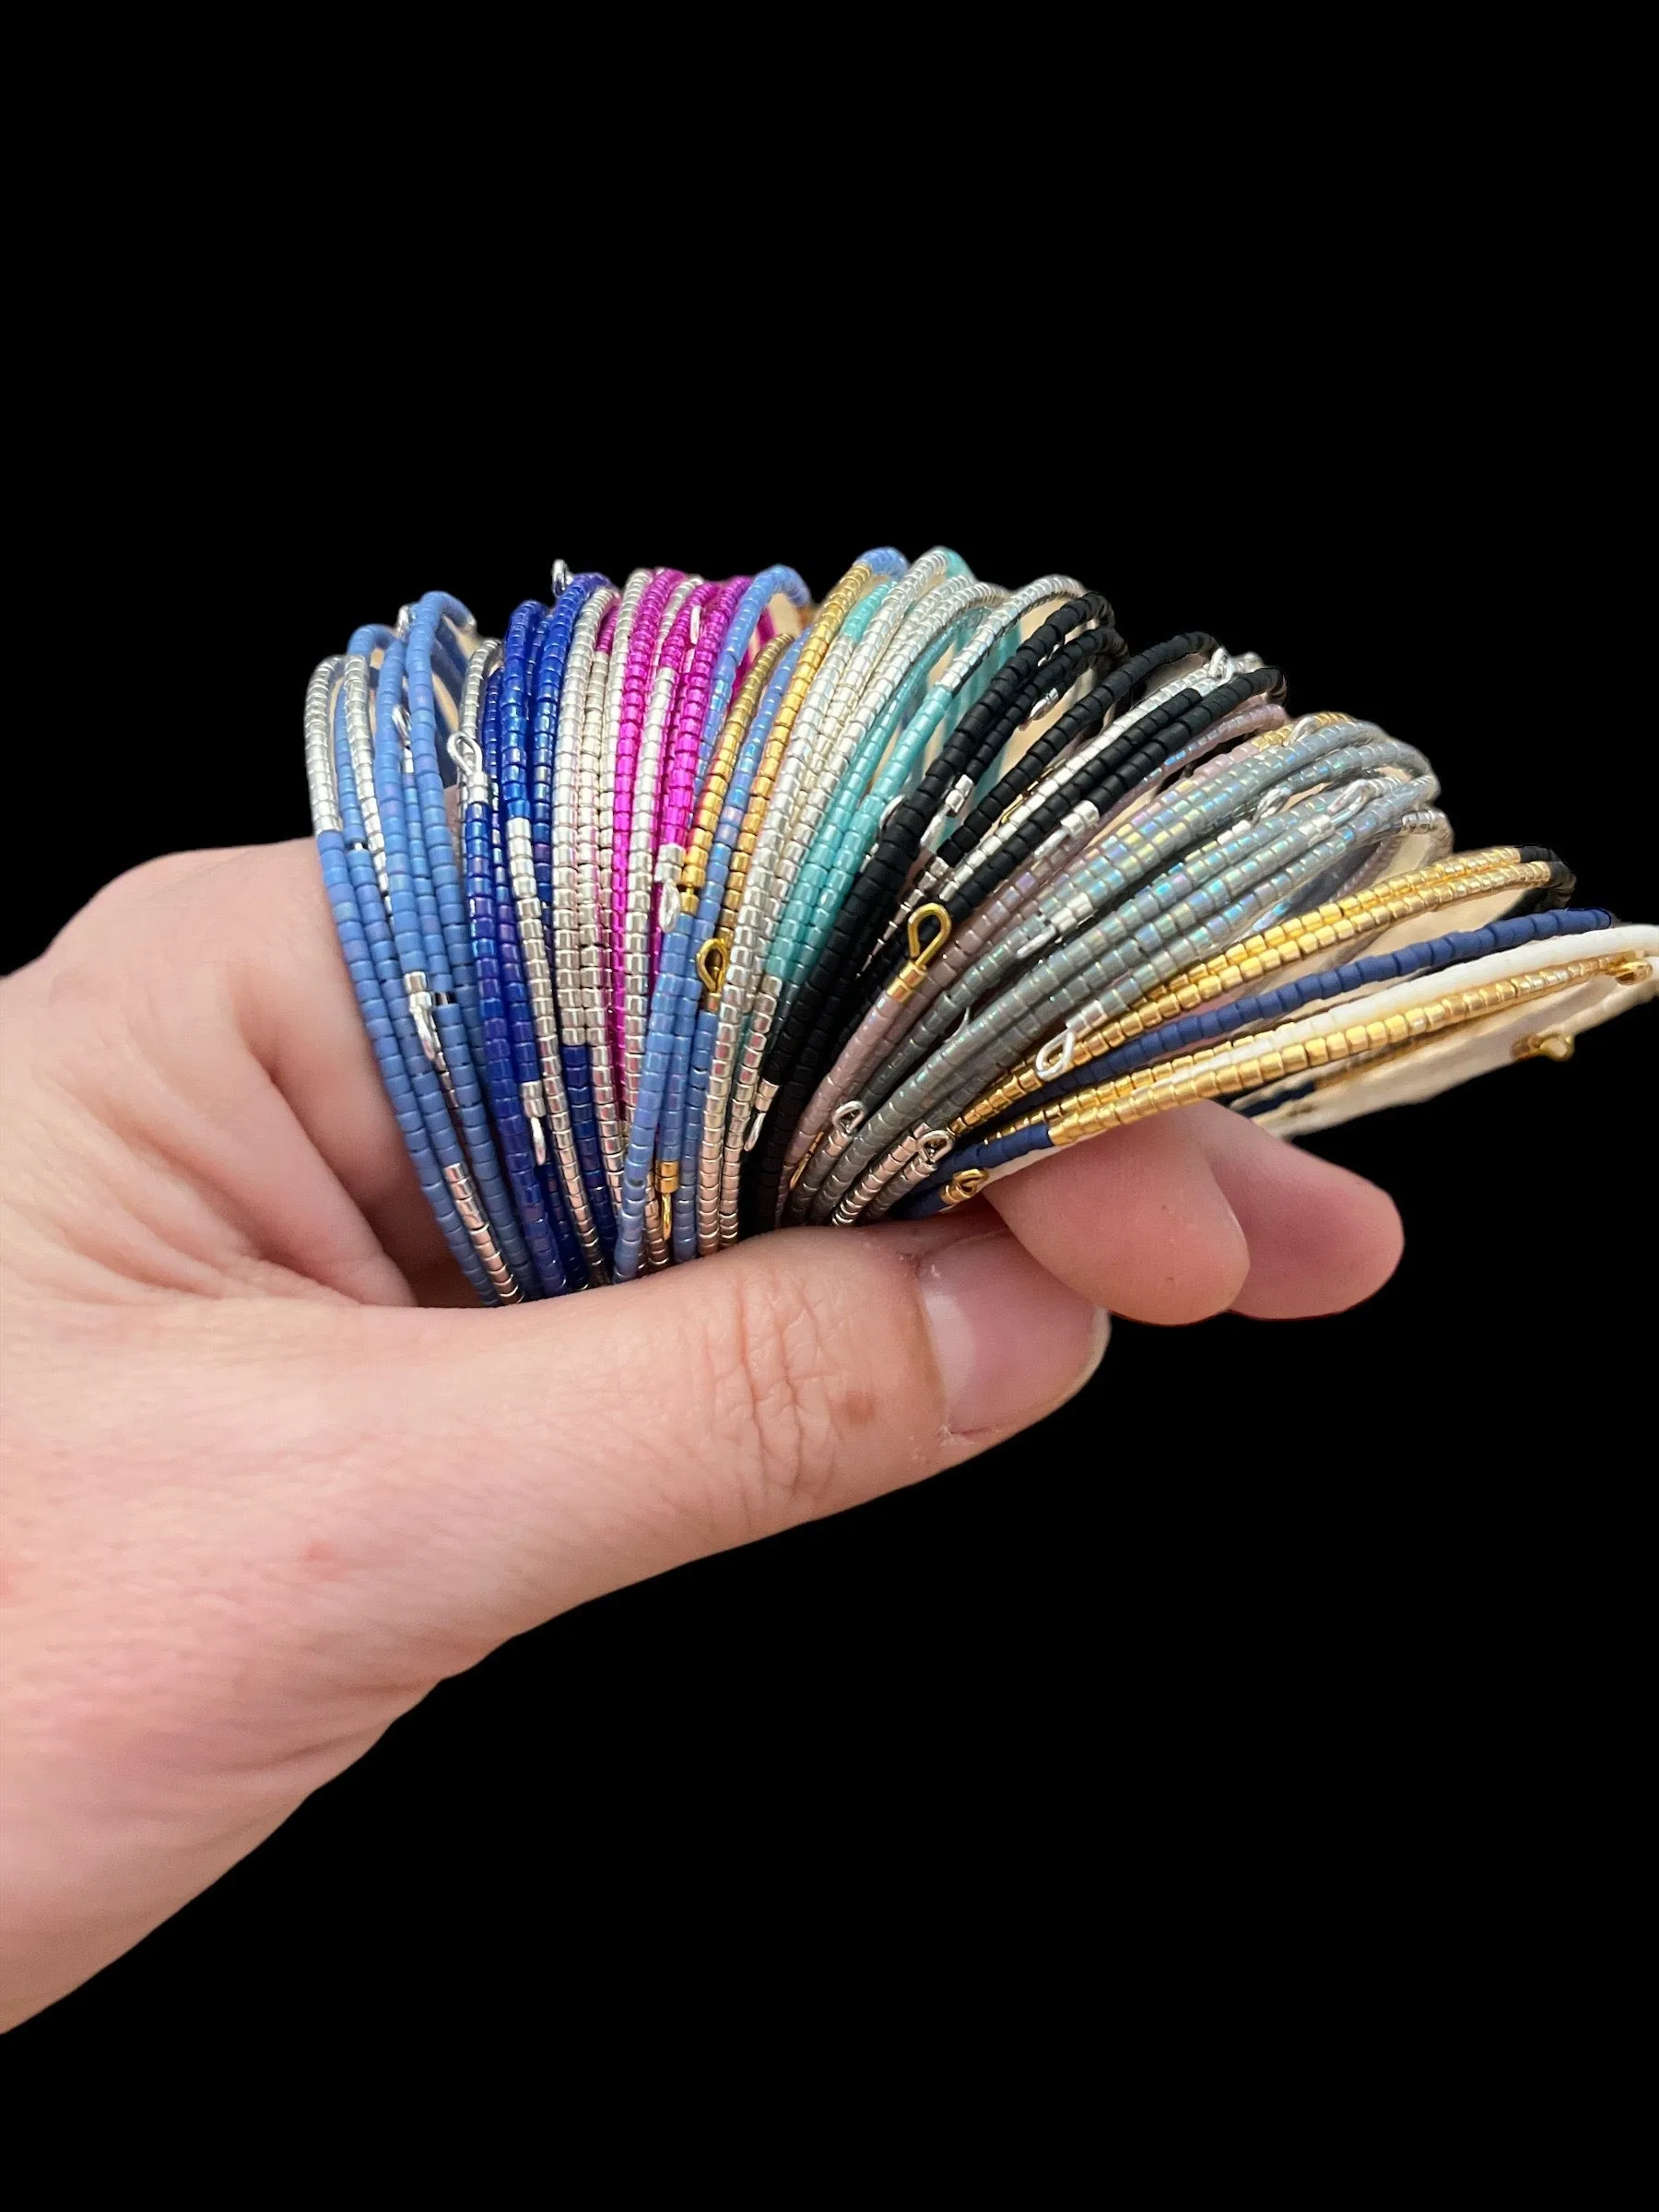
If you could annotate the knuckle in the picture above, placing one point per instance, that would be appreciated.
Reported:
(150, 879)
(91, 954)
(780, 1383)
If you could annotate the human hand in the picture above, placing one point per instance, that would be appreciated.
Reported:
(267, 1491)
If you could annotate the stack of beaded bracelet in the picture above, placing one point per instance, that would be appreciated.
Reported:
(687, 910)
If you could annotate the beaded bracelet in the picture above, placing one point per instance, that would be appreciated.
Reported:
(1030, 684)
(356, 902)
(715, 1044)
(747, 915)
(897, 1009)
(656, 1132)
(1499, 880)
(1218, 883)
(1295, 1059)
(1257, 1010)
(687, 908)
(876, 652)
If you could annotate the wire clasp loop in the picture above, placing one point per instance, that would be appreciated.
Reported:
(922, 951)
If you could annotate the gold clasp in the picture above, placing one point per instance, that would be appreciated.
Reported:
(805, 1162)
(1548, 1044)
(921, 953)
(966, 1183)
(711, 964)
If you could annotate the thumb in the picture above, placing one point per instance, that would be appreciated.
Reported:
(549, 1452)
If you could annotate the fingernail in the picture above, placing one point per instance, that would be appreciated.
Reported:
(1011, 1342)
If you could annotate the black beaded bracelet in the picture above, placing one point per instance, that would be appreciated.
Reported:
(1070, 641)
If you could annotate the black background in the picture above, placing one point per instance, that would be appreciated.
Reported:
(1280, 1632)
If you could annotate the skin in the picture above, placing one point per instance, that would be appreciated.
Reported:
(268, 1482)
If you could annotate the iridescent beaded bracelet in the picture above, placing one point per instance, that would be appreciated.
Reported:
(689, 909)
